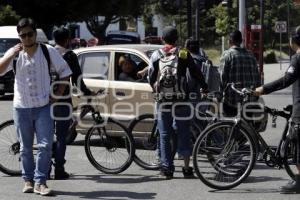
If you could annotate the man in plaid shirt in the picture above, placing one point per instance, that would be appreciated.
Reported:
(238, 65)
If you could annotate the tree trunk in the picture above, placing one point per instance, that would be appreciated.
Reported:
(98, 27)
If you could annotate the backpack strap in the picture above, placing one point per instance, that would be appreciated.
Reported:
(47, 56)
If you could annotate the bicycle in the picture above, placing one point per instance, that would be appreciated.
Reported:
(110, 137)
(146, 136)
(224, 165)
(109, 140)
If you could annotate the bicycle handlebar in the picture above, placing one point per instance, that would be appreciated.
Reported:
(243, 92)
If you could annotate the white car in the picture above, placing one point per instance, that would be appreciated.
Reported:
(122, 100)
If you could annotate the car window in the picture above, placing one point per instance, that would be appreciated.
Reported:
(95, 65)
(136, 64)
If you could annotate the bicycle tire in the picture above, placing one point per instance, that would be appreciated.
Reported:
(10, 148)
(229, 169)
(288, 158)
(143, 130)
(110, 142)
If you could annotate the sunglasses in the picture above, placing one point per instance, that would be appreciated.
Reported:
(29, 34)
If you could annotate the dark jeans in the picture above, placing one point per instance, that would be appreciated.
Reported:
(165, 124)
(61, 130)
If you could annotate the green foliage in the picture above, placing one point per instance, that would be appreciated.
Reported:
(221, 19)
(8, 16)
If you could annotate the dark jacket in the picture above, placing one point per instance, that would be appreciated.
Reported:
(292, 76)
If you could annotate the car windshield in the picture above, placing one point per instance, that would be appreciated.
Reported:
(5, 44)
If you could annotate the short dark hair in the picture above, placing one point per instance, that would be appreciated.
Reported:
(26, 22)
(192, 45)
(236, 37)
(61, 35)
(170, 35)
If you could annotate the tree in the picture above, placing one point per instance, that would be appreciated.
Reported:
(8, 16)
(57, 12)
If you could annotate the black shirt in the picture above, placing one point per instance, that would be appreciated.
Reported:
(71, 58)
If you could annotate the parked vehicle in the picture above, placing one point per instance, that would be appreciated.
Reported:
(122, 100)
(153, 40)
(8, 38)
(122, 37)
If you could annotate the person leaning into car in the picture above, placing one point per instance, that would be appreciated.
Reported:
(165, 115)
(31, 103)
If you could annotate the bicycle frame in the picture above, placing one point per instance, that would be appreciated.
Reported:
(272, 159)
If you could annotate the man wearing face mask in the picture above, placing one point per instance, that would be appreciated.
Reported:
(64, 111)
(32, 102)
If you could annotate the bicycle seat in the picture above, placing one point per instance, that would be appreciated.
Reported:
(288, 108)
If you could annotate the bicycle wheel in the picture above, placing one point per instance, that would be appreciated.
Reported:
(146, 141)
(109, 147)
(224, 158)
(9, 149)
(288, 155)
(146, 137)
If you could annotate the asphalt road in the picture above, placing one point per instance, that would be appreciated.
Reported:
(136, 183)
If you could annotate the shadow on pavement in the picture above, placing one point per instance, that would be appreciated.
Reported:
(250, 190)
(116, 195)
(118, 179)
(257, 179)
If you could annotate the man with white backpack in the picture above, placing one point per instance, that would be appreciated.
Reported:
(168, 78)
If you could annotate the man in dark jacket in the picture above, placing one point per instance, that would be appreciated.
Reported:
(61, 37)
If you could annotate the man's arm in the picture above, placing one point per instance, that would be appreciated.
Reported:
(76, 77)
(153, 69)
(224, 70)
(9, 56)
(289, 78)
(60, 89)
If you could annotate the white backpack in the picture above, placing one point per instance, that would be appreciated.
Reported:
(170, 86)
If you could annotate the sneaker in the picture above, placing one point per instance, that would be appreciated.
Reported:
(292, 187)
(166, 174)
(28, 187)
(42, 189)
(188, 172)
(61, 175)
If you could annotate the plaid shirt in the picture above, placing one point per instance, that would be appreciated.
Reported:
(238, 65)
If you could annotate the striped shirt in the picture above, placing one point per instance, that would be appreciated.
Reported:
(32, 81)
(238, 65)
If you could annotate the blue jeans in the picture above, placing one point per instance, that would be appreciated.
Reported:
(29, 121)
(61, 130)
(165, 126)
